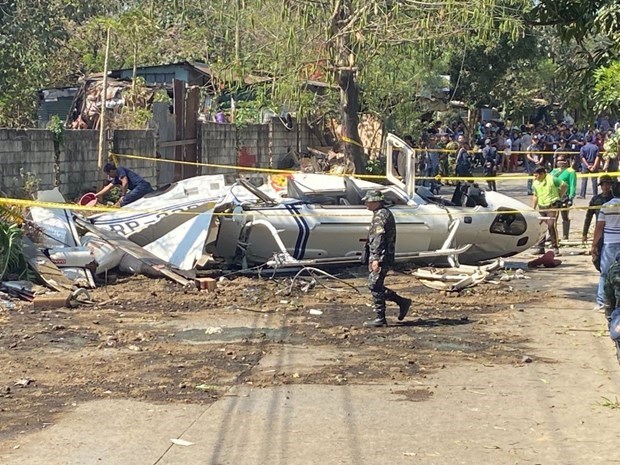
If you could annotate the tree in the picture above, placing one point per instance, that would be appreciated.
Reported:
(345, 36)
(607, 88)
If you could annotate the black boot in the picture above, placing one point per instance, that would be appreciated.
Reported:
(404, 304)
(565, 229)
(378, 322)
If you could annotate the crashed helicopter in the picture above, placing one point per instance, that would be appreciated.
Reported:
(308, 220)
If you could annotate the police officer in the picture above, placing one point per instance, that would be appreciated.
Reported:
(379, 250)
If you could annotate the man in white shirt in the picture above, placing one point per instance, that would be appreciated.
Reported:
(607, 227)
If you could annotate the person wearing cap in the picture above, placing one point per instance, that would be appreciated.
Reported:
(548, 191)
(379, 250)
(133, 186)
(462, 163)
(490, 162)
(608, 230)
(561, 151)
(590, 161)
(607, 184)
(611, 291)
(565, 173)
(533, 161)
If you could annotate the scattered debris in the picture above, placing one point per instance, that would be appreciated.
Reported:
(526, 359)
(314, 311)
(206, 284)
(214, 330)
(52, 300)
(24, 382)
(456, 279)
(181, 442)
(7, 304)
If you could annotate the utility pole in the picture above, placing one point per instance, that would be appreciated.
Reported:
(102, 121)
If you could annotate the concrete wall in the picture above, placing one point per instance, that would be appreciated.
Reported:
(142, 143)
(78, 163)
(32, 151)
(266, 144)
(26, 151)
(218, 147)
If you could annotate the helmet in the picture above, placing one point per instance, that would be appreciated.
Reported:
(374, 196)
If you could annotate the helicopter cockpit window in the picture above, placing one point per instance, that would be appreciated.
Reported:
(392, 198)
(510, 223)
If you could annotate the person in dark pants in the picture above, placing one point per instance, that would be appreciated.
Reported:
(590, 163)
(133, 186)
(548, 191)
(379, 251)
(607, 186)
(490, 164)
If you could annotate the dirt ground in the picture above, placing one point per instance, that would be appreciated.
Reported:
(151, 340)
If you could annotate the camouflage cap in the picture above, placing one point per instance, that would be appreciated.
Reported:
(374, 196)
(606, 178)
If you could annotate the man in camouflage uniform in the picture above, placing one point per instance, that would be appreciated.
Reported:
(379, 250)
(612, 297)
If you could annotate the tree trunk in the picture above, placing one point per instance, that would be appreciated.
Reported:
(343, 53)
(349, 107)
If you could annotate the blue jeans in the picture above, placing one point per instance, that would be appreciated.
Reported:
(584, 186)
(608, 255)
(136, 193)
(530, 168)
(432, 184)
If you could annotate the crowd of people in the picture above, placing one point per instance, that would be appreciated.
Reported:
(499, 148)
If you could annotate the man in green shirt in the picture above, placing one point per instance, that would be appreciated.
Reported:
(548, 190)
(564, 173)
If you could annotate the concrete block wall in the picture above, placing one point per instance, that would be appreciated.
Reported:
(138, 142)
(281, 139)
(78, 163)
(32, 151)
(27, 151)
(255, 139)
(219, 147)
(306, 137)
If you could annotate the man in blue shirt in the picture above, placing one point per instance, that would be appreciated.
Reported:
(590, 162)
(133, 186)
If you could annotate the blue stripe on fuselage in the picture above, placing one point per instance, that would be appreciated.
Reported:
(304, 243)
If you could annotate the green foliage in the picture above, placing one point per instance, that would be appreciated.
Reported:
(161, 95)
(135, 113)
(611, 404)
(612, 146)
(12, 261)
(57, 127)
(607, 87)
(375, 166)
(247, 113)
(25, 185)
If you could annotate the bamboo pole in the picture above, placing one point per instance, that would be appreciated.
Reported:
(102, 121)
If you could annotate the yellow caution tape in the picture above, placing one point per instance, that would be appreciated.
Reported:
(351, 141)
(233, 167)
